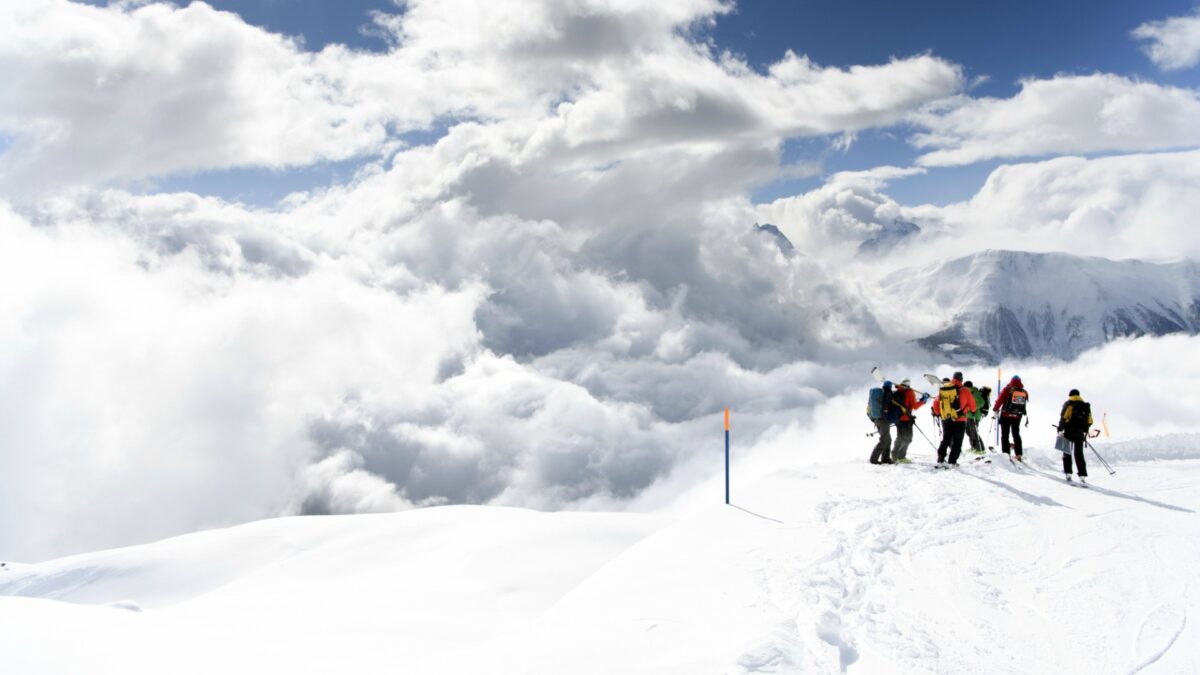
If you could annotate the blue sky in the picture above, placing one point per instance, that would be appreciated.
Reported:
(998, 44)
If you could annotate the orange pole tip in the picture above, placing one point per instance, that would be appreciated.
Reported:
(727, 419)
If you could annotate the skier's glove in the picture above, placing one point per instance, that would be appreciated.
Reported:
(924, 397)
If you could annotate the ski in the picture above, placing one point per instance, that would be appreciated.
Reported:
(877, 374)
(933, 380)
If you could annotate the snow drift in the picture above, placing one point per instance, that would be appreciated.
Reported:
(825, 567)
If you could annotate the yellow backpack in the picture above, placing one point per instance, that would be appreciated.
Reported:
(949, 407)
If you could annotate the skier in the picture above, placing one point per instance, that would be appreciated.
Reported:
(954, 403)
(905, 399)
(1074, 422)
(1011, 405)
(973, 418)
(881, 454)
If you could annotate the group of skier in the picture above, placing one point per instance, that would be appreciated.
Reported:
(957, 410)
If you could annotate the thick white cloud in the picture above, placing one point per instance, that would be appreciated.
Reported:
(1129, 206)
(838, 216)
(438, 354)
(145, 396)
(95, 94)
(1172, 43)
(1064, 114)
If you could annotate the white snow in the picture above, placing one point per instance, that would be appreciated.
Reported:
(823, 567)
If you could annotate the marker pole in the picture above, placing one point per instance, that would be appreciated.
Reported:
(727, 455)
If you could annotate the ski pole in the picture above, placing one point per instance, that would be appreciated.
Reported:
(918, 426)
(1111, 471)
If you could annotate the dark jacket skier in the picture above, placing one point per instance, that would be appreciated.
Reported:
(973, 418)
(1074, 422)
(881, 453)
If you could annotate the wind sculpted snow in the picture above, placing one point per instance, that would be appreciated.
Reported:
(829, 567)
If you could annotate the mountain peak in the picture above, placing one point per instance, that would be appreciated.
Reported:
(998, 304)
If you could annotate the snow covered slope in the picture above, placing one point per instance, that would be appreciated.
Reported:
(838, 567)
(1004, 304)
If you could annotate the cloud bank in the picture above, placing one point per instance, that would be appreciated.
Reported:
(588, 80)
(1062, 115)
(1172, 44)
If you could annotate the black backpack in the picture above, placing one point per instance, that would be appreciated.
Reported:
(1081, 413)
(896, 408)
(1018, 399)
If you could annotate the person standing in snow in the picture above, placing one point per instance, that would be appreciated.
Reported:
(906, 401)
(1074, 422)
(973, 418)
(954, 403)
(881, 453)
(1011, 405)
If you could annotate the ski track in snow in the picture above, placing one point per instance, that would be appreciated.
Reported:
(1157, 634)
(837, 577)
(842, 598)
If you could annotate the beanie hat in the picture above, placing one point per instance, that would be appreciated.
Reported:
(1074, 392)
(958, 375)
(968, 384)
(905, 382)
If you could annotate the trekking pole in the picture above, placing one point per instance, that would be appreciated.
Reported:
(1111, 471)
(918, 426)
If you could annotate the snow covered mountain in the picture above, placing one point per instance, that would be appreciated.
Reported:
(1003, 304)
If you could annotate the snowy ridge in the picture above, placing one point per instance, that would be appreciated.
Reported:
(828, 568)
(1168, 446)
(1006, 304)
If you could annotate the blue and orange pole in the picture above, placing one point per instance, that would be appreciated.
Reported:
(726, 455)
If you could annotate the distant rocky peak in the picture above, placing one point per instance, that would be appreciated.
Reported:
(888, 236)
(1006, 304)
(781, 240)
